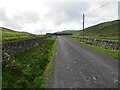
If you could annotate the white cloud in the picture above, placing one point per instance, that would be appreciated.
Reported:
(64, 12)
(19, 20)
(41, 16)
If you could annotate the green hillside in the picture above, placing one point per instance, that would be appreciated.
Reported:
(103, 29)
(106, 29)
(6, 30)
(69, 31)
(8, 34)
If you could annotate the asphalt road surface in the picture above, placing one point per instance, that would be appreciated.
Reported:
(77, 66)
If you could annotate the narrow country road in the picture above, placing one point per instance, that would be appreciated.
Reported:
(77, 66)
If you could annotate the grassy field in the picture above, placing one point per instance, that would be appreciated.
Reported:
(14, 36)
(8, 34)
(108, 52)
(28, 69)
(98, 37)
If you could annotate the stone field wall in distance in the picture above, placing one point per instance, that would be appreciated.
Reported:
(113, 45)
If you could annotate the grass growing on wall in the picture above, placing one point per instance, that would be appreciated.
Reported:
(108, 52)
(27, 69)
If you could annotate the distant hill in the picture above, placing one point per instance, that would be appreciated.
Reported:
(69, 31)
(102, 29)
(6, 30)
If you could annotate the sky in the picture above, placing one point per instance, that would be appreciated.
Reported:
(48, 16)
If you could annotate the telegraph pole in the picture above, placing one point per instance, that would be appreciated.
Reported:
(83, 25)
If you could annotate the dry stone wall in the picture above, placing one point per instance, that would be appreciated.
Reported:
(12, 48)
(113, 45)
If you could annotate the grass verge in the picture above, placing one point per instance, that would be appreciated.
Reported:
(108, 52)
(49, 68)
(28, 69)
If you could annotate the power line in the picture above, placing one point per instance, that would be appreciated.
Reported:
(98, 8)
(91, 12)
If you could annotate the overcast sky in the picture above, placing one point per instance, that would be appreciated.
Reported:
(47, 16)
